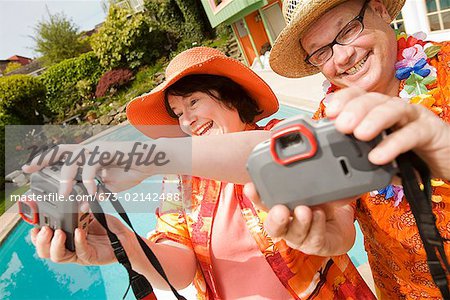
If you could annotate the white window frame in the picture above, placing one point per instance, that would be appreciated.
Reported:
(438, 12)
(396, 21)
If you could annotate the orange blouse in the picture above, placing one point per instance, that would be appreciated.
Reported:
(303, 276)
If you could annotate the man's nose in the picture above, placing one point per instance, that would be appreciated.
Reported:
(342, 55)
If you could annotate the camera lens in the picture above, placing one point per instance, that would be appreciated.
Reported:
(290, 140)
(26, 209)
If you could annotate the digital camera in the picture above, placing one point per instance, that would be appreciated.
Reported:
(309, 162)
(42, 205)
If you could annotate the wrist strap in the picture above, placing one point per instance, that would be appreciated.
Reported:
(142, 289)
(421, 207)
(141, 284)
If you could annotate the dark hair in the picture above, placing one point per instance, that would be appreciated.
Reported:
(227, 92)
(264, 48)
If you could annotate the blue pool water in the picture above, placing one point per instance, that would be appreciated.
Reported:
(25, 276)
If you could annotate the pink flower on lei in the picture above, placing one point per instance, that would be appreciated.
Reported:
(411, 56)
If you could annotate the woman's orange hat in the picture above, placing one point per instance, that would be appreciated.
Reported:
(148, 110)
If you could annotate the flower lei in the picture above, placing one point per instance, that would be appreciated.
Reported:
(417, 75)
(418, 84)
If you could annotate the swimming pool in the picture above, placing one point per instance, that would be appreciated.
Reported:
(25, 276)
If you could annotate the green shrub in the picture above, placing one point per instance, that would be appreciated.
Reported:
(21, 96)
(84, 89)
(61, 81)
(166, 14)
(128, 40)
(196, 24)
(5, 119)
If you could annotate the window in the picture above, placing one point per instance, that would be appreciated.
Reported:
(398, 23)
(438, 14)
(240, 26)
(218, 4)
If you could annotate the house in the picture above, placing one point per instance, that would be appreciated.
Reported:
(431, 17)
(256, 22)
(14, 59)
(35, 68)
(133, 5)
(20, 59)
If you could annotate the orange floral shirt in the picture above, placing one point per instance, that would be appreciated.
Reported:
(396, 254)
(303, 276)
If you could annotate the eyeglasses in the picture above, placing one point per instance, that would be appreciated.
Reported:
(347, 35)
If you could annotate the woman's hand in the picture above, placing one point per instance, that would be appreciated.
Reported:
(325, 230)
(90, 249)
(118, 168)
(414, 127)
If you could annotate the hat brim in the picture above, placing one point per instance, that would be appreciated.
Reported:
(287, 57)
(148, 112)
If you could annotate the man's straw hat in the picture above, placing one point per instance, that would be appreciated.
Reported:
(149, 109)
(287, 57)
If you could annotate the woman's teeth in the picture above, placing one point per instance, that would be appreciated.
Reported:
(202, 130)
(356, 68)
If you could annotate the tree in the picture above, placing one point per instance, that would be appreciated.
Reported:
(186, 19)
(58, 38)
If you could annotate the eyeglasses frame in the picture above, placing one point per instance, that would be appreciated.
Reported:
(359, 18)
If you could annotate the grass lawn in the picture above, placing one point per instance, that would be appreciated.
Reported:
(3, 203)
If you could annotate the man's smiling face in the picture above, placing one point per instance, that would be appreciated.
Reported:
(368, 61)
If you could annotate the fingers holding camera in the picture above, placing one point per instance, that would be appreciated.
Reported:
(69, 172)
(48, 157)
(358, 114)
(299, 227)
(58, 251)
(301, 230)
(414, 127)
(84, 251)
(305, 228)
(277, 222)
(88, 177)
(42, 241)
(339, 100)
(314, 242)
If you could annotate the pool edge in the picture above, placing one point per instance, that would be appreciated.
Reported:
(9, 220)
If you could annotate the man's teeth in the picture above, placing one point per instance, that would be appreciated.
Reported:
(357, 67)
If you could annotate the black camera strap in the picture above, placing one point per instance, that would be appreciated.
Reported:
(421, 207)
(142, 288)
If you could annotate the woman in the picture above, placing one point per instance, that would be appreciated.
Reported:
(216, 232)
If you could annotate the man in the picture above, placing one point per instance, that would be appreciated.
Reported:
(353, 45)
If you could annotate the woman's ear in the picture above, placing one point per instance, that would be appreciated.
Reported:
(380, 9)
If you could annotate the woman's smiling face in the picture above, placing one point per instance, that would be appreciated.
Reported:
(201, 114)
(367, 62)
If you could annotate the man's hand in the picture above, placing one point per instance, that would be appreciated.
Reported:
(325, 230)
(414, 127)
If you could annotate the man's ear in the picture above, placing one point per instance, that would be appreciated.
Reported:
(380, 9)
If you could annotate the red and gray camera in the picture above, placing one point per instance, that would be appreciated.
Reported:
(309, 163)
(42, 205)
